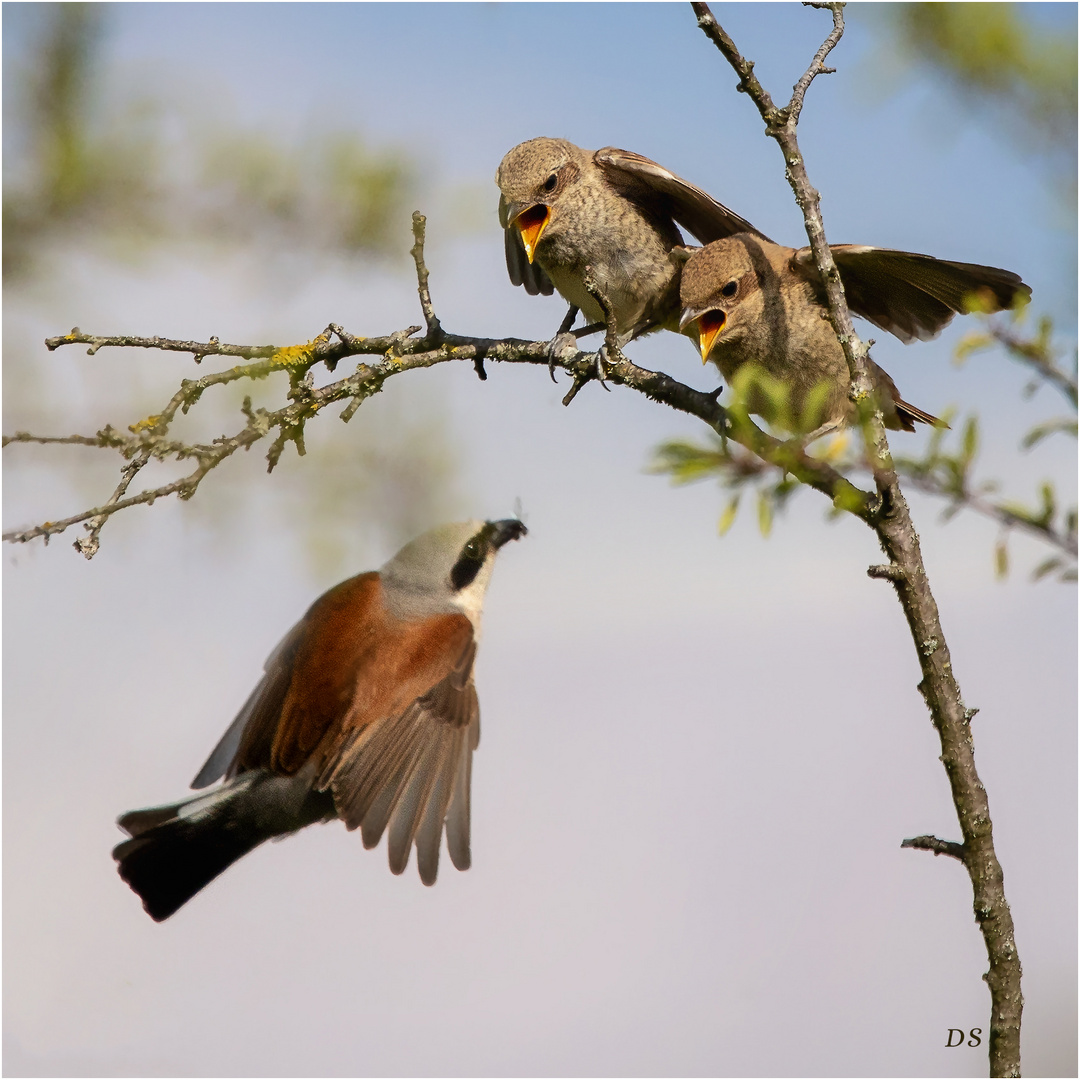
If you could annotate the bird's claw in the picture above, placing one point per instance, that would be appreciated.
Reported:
(557, 346)
(601, 356)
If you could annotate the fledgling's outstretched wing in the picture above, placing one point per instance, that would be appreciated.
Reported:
(914, 296)
(644, 180)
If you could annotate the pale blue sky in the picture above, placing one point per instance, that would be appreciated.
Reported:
(699, 755)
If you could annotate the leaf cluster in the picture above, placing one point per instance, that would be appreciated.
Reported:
(945, 469)
(752, 389)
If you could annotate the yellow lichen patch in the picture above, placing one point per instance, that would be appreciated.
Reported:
(293, 354)
(143, 425)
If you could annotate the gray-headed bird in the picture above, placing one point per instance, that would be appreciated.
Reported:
(366, 712)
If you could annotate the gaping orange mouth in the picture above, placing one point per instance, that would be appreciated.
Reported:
(531, 224)
(709, 326)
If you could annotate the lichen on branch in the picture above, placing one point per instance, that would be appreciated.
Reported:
(149, 439)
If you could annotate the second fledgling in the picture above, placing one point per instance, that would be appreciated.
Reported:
(749, 301)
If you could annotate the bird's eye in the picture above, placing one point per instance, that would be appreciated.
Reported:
(469, 564)
(550, 182)
(730, 289)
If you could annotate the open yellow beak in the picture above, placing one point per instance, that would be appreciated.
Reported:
(709, 327)
(531, 224)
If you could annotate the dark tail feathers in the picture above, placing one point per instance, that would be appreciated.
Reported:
(176, 850)
(908, 414)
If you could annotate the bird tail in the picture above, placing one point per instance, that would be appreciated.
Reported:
(908, 414)
(176, 850)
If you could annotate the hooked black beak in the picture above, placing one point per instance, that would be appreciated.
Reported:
(502, 532)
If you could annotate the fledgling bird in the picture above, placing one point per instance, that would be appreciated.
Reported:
(564, 208)
(367, 712)
(747, 300)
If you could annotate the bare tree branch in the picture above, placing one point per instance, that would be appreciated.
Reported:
(212, 348)
(400, 352)
(900, 542)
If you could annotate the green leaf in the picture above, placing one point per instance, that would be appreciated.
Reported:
(815, 405)
(1049, 502)
(1045, 567)
(1021, 513)
(1049, 427)
(686, 462)
(969, 344)
(727, 518)
(765, 513)
(753, 388)
(970, 441)
(1001, 559)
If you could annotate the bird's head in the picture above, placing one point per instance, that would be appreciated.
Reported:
(448, 568)
(717, 284)
(532, 177)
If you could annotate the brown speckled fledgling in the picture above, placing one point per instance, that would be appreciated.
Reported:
(746, 300)
(564, 208)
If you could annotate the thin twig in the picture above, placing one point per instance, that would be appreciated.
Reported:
(213, 347)
(1034, 354)
(419, 228)
(927, 483)
(748, 82)
(89, 544)
(817, 65)
(938, 847)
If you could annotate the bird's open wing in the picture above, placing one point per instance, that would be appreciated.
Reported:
(260, 711)
(412, 771)
(384, 708)
(642, 179)
(914, 296)
(521, 271)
